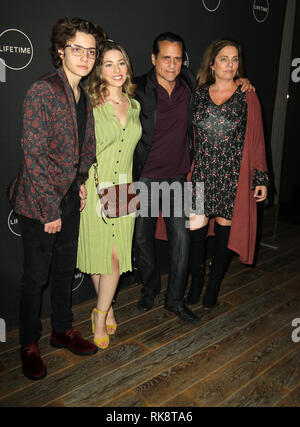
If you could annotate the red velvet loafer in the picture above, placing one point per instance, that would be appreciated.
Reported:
(73, 342)
(32, 364)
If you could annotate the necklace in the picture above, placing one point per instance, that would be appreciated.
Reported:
(116, 102)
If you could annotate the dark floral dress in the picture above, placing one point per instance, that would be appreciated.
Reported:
(219, 138)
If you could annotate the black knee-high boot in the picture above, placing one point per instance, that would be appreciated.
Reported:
(197, 258)
(219, 263)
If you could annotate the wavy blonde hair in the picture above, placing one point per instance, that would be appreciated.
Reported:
(205, 74)
(96, 85)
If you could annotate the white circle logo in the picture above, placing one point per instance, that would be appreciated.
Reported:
(261, 9)
(13, 224)
(211, 5)
(77, 280)
(16, 50)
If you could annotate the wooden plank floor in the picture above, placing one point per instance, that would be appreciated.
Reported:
(241, 353)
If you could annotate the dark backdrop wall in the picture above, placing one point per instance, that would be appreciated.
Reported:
(25, 29)
(289, 200)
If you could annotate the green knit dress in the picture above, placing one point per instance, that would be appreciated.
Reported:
(115, 147)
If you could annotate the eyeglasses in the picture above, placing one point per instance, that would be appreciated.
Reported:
(79, 50)
(227, 60)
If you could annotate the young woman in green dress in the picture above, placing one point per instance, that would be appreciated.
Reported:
(104, 249)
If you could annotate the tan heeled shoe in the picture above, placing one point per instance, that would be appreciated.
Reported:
(102, 343)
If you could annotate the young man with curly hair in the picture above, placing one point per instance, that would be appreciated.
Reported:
(48, 193)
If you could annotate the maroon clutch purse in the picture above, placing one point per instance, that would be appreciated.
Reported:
(116, 200)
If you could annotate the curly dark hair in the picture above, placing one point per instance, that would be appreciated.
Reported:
(66, 28)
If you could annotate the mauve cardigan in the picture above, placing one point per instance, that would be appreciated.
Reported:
(242, 235)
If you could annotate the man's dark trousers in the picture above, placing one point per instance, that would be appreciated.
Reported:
(49, 255)
(178, 239)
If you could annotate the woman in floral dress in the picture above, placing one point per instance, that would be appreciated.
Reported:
(230, 161)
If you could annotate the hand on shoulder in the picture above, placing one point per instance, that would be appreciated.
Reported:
(245, 84)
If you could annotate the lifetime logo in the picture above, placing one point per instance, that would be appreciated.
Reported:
(2, 330)
(16, 51)
(261, 10)
(211, 5)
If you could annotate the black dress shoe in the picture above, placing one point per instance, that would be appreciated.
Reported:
(208, 307)
(182, 312)
(146, 302)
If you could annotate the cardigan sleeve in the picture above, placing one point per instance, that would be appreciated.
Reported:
(257, 149)
(260, 178)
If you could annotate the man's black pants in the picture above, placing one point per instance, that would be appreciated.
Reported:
(178, 239)
(49, 256)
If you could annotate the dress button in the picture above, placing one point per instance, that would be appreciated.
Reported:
(120, 151)
(122, 140)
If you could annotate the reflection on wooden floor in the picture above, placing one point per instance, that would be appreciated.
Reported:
(241, 353)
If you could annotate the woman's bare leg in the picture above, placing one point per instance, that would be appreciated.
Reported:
(106, 290)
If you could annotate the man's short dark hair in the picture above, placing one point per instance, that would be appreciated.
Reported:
(169, 37)
(66, 28)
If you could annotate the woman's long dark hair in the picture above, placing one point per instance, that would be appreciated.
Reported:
(205, 74)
